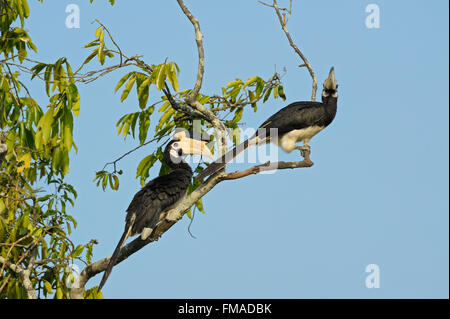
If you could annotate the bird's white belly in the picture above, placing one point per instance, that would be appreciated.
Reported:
(288, 140)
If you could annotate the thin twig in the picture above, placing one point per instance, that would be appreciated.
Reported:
(191, 99)
(190, 223)
(132, 150)
(112, 39)
(306, 63)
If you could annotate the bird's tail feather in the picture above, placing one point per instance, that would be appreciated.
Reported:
(219, 163)
(115, 255)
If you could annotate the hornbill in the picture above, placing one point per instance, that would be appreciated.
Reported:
(160, 194)
(299, 121)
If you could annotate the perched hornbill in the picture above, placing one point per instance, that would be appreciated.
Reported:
(160, 194)
(299, 121)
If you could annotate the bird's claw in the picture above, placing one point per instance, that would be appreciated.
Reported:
(305, 151)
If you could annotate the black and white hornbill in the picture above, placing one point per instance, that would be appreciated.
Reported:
(160, 194)
(299, 121)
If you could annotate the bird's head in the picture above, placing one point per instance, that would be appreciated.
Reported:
(183, 144)
(330, 86)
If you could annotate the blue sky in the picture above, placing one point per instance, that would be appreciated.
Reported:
(377, 194)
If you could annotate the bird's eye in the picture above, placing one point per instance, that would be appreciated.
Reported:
(175, 145)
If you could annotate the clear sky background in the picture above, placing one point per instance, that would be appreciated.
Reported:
(377, 194)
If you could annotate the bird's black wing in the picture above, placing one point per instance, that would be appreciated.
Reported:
(155, 197)
(296, 116)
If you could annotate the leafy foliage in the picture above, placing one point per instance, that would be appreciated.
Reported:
(35, 223)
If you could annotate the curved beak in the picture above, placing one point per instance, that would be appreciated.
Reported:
(191, 146)
(330, 83)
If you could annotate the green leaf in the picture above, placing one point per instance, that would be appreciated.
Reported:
(251, 80)
(26, 136)
(47, 75)
(237, 115)
(2, 206)
(259, 87)
(57, 75)
(165, 118)
(67, 130)
(234, 92)
(101, 53)
(90, 56)
(126, 128)
(252, 98)
(48, 287)
(281, 92)
(267, 95)
(98, 31)
(64, 161)
(128, 88)
(75, 99)
(94, 43)
(104, 182)
(144, 166)
(37, 69)
(199, 205)
(43, 129)
(44, 198)
(122, 80)
(234, 83)
(115, 184)
(143, 92)
(44, 250)
(59, 293)
(144, 124)
(172, 76)
(161, 77)
(26, 9)
(77, 252)
(164, 107)
(56, 159)
(134, 118)
(69, 72)
(21, 14)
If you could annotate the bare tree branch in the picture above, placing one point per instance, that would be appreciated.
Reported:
(268, 166)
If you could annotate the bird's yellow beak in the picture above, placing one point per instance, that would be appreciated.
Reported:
(330, 83)
(191, 146)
